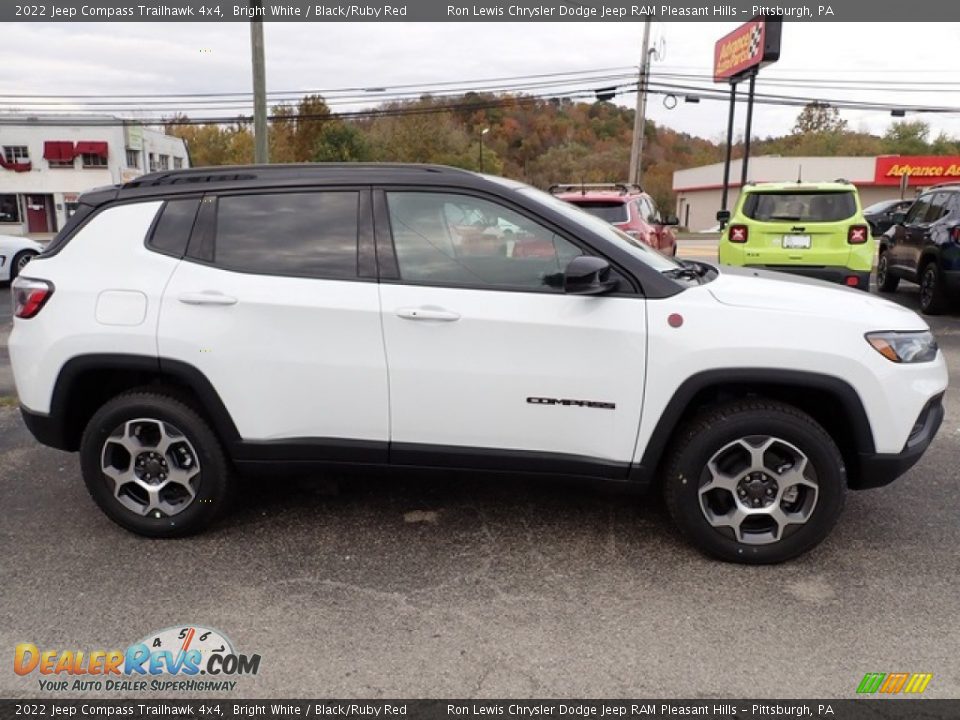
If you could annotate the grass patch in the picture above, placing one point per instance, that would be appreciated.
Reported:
(9, 401)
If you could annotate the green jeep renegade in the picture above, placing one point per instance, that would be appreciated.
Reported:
(812, 229)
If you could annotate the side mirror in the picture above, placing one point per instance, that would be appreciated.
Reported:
(671, 220)
(723, 216)
(898, 218)
(587, 275)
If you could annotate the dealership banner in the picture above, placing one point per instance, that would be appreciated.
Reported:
(449, 709)
(921, 170)
(858, 11)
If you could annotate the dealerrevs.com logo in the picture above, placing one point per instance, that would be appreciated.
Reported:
(171, 660)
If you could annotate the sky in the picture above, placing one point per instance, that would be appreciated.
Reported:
(163, 58)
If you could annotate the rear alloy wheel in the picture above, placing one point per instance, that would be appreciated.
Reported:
(885, 281)
(755, 482)
(154, 466)
(933, 300)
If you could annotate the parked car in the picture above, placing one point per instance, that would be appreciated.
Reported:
(879, 216)
(811, 229)
(194, 325)
(15, 253)
(923, 246)
(626, 207)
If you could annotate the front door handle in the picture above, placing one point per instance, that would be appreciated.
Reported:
(428, 313)
(206, 298)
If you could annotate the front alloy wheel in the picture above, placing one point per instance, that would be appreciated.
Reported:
(756, 488)
(754, 481)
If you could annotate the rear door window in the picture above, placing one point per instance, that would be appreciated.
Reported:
(305, 234)
(939, 208)
(800, 206)
(612, 212)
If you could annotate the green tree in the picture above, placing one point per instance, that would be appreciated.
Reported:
(907, 137)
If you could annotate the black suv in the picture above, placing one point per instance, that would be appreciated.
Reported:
(923, 246)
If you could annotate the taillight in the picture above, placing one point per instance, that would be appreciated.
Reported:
(858, 234)
(739, 233)
(955, 234)
(29, 296)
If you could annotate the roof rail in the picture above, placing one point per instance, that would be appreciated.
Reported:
(233, 173)
(623, 188)
(945, 184)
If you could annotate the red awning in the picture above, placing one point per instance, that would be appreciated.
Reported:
(88, 147)
(58, 150)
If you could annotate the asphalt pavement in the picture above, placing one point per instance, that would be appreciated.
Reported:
(446, 585)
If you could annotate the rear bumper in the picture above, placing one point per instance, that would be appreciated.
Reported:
(838, 275)
(879, 469)
(45, 428)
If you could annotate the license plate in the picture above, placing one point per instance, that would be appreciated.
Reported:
(796, 241)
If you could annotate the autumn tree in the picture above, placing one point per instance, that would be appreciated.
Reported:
(817, 117)
(907, 137)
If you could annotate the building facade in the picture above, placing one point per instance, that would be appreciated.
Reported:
(699, 189)
(46, 163)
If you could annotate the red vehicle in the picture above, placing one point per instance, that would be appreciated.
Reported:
(626, 207)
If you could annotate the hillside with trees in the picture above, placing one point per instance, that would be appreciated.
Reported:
(531, 139)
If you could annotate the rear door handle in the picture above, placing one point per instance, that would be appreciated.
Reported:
(206, 298)
(427, 314)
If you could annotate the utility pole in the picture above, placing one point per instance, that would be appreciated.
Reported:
(640, 118)
(260, 146)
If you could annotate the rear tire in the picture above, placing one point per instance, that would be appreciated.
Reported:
(754, 482)
(886, 282)
(154, 466)
(933, 297)
(20, 261)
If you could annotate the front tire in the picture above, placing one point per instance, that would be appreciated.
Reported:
(885, 281)
(154, 466)
(754, 482)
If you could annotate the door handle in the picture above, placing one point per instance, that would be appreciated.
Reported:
(206, 298)
(427, 314)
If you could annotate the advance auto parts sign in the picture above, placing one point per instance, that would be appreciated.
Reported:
(750, 46)
(921, 170)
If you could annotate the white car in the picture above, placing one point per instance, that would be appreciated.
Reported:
(193, 325)
(15, 253)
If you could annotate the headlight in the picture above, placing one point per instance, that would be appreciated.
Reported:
(904, 347)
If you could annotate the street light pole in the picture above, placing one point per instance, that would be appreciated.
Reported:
(482, 133)
(640, 117)
(260, 146)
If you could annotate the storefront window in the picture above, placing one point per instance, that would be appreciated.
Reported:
(9, 209)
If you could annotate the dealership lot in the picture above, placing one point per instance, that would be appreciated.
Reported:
(456, 586)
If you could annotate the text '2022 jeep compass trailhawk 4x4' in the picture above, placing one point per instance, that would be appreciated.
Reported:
(193, 325)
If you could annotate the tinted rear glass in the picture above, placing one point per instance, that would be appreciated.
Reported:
(800, 206)
(307, 234)
(172, 230)
(612, 212)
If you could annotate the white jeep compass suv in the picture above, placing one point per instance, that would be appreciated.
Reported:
(190, 326)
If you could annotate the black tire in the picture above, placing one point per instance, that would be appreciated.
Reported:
(212, 484)
(933, 296)
(21, 258)
(886, 282)
(708, 433)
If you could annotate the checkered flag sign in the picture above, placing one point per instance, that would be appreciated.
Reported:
(755, 34)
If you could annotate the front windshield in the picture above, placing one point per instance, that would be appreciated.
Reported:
(636, 248)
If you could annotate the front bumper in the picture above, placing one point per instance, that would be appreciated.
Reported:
(879, 469)
(838, 275)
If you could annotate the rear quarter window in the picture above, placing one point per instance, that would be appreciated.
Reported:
(800, 206)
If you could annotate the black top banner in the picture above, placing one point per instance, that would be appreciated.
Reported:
(468, 11)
